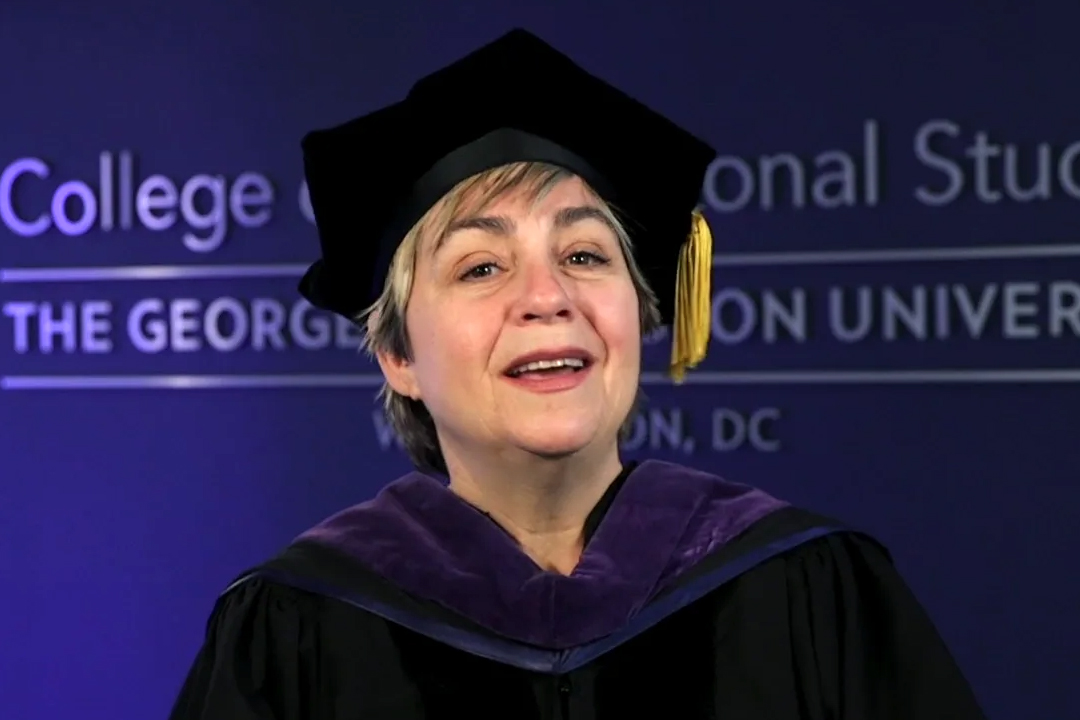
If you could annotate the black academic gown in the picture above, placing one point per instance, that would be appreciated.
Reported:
(718, 603)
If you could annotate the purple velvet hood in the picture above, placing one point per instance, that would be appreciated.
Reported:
(435, 546)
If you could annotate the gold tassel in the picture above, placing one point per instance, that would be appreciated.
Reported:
(693, 298)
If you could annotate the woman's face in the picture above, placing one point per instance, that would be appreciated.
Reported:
(524, 328)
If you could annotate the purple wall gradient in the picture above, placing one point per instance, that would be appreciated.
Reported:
(124, 511)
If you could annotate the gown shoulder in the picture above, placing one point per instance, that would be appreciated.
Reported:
(825, 630)
(860, 644)
(274, 652)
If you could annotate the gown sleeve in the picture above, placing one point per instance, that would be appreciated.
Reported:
(874, 650)
(257, 661)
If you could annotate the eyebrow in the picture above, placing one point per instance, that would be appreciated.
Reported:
(503, 226)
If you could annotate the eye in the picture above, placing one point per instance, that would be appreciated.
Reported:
(586, 257)
(479, 272)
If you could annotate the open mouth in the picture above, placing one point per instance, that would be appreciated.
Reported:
(548, 368)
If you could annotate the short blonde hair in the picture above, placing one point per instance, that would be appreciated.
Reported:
(384, 321)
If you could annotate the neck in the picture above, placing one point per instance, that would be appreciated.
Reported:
(542, 502)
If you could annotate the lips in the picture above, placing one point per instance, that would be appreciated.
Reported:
(559, 360)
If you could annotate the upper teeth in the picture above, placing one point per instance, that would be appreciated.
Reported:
(547, 365)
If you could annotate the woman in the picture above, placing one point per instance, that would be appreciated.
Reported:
(473, 228)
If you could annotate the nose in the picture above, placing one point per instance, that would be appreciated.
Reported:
(544, 295)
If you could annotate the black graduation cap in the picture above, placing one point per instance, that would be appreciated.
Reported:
(515, 99)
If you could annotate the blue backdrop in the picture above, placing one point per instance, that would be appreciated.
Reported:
(896, 327)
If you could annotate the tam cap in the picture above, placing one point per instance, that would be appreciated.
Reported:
(515, 99)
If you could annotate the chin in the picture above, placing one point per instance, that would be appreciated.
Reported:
(554, 440)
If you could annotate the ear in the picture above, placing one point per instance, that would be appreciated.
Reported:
(396, 370)
(399, 374)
